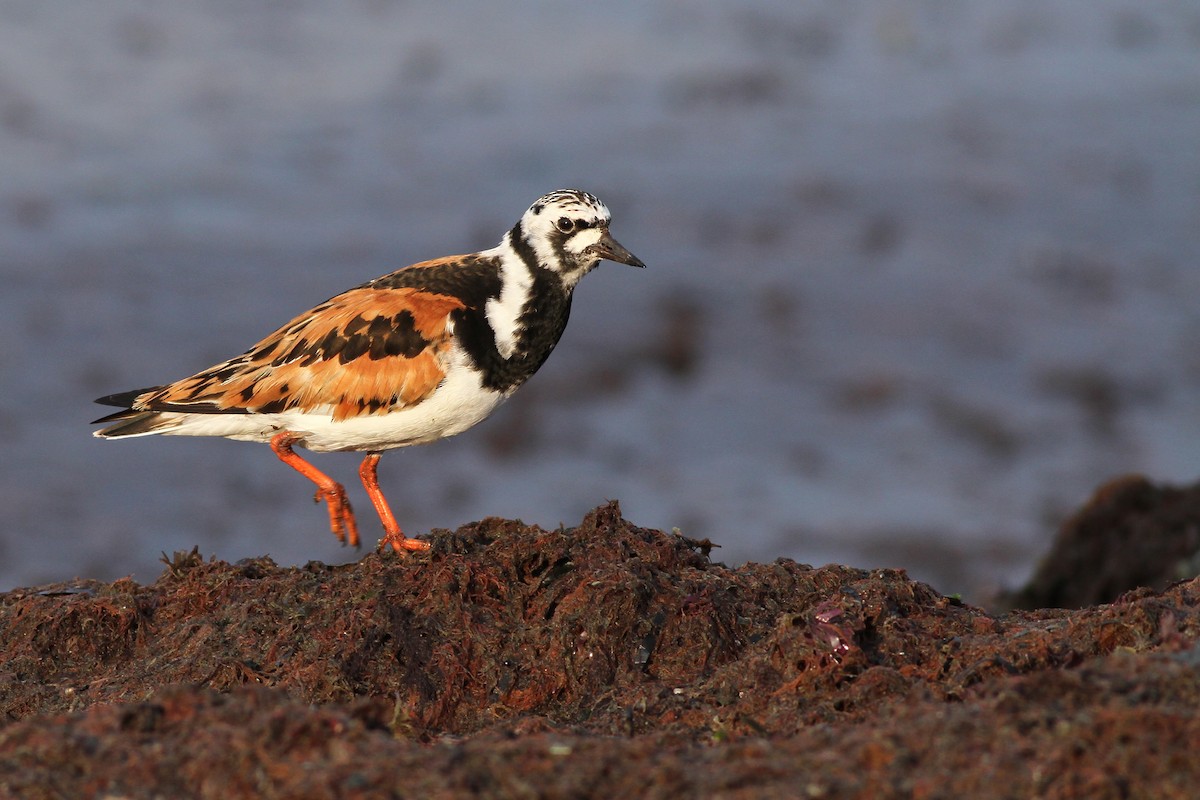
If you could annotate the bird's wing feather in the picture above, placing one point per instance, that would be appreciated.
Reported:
(367, 351)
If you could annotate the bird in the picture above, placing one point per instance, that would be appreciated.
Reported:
(409, 358)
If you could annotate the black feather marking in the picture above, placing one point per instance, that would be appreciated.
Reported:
(273, 407)
(355, 346)
(355, 325)
(524, 249)
(326, 349)
(380, 327)
(116, 416)
(124, 399)
(299, 349)
(472, 280)
(199, 408)
(396, 336)
(264, 350)
(228, 371)
(377, 333)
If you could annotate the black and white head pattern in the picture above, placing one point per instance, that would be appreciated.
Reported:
(563, 229)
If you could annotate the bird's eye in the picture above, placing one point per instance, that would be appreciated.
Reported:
(565, 224)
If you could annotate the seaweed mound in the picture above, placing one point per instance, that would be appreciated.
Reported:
(594, 661)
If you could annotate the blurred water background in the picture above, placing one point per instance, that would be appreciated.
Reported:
(921, 275)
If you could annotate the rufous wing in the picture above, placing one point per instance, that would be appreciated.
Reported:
(366, 351)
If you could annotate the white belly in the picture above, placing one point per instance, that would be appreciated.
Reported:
(459, 403)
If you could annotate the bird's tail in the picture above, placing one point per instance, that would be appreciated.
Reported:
(132, 422)
(136, 423)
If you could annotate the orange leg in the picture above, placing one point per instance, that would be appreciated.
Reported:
(341, 516)
(392, 534)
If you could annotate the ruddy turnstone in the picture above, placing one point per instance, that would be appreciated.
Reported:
(409, 358)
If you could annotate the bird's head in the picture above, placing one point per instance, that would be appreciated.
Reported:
(567, 231)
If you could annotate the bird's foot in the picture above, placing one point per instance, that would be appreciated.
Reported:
(341, 515)
(400, 543)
